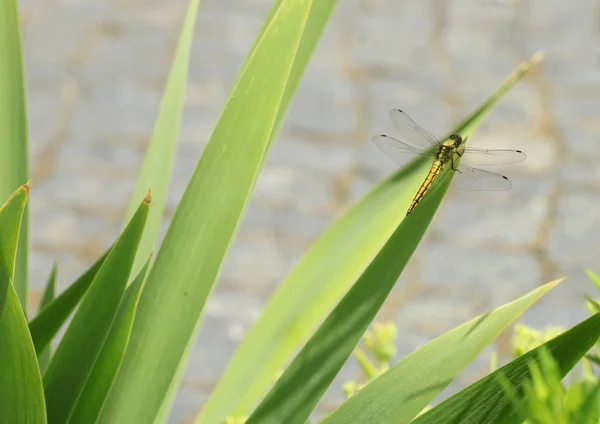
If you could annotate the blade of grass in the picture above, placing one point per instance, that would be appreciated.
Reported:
(187, 264)
(594, 277)
(156, 169)
(486, 402)
(106, 366)
(49, 293)
(79, 348)
(13, 130)
(400, 393)
(21, 394)
(338, 258)
(48, 321)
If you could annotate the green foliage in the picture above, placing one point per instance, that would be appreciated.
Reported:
(49, 294)
(123, 352)
(544, 399)
(526, 338)
(21, 395)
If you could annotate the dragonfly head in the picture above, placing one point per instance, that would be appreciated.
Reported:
(456, 140)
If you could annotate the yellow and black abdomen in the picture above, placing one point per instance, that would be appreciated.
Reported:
(435, 170)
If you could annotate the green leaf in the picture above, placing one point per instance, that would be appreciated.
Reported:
(105, 369)
(486, 402)
(299, 389)
(13, 130)
(156, 169)
(21, 393)
(318, 281)
(49, 293)
(593, 303)
(590, 410)
(46, 324)
(594, 277)
(595, 359)
(194, 247)
(79, 348)
(400, 393)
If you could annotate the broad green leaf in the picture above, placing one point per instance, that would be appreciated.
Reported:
(194, 247)
(102, 376)
(404, 390)
(48, 321)
(13, 129)
(79, 348)
(48, 296)
(301, 386)
(317, 282)
(157, 166)
(21, 393)
(486, 402)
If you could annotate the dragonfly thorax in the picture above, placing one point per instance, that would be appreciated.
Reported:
(453, 142)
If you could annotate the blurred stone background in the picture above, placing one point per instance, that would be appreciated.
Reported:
(95, 75)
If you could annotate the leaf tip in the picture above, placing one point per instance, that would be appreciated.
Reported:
(556, 282)
(27, 186)
(537, 58)
(148, 197)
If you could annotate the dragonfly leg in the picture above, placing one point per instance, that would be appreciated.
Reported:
(454, 166)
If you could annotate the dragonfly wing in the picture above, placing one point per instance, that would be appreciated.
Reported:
(491, 157)
(473, 179)
(412, 132)
(397, 150)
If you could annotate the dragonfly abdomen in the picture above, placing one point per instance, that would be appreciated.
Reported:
(436, 167)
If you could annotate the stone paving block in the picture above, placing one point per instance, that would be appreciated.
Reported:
(573, 239)
(564, 306)
(199, 119)
(279, 224)
(324, 104)
(331, 158)
(500, 275)
(361, 186)
(577, 122)
(104, 158)
(87, 192)
(228, 316)
(121, 51)
(496, 219)
(387, 37)
(186, 405)
(52, 37)
(43, 115)
(283, 186)
(70, 267)
(258, 266)
(578, 174)
(119, 109)
(55, 226)
(433, 313)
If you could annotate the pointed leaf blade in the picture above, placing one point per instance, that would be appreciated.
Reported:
(21, 393)
(79, 348)
(404, 390)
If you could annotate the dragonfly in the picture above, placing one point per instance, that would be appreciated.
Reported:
(453, 151)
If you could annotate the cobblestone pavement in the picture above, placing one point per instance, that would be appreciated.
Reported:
(96, 71)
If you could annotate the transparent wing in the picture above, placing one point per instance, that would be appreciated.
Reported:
(473, 179)
(410, 131)
(397, 150)
(490, 157)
